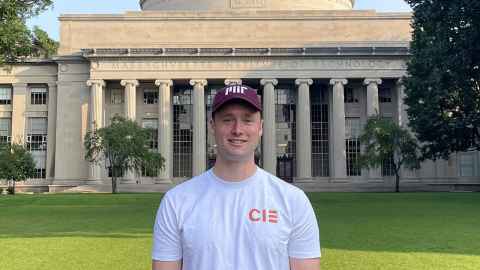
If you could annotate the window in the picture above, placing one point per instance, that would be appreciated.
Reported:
(467, 164)
(211, 147)
(285, 118)
(38, 95)
(150, 96)
(152, 125)
(149, 172)
(320, 133)
(116, 96)
(388, 167)
(385, 95)
(350, 95)
(37, 134)
(40, 173)
(182, 132)
(352, 145)
(5, 95)
(5, 126)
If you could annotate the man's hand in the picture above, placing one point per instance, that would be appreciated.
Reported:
(305, 264)
(160, 265)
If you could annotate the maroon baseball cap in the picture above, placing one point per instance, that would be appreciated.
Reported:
(236, 91)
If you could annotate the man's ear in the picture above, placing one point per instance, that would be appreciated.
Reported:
(211, 123)
(261, 128)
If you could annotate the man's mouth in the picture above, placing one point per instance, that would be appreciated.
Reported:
(237, 141)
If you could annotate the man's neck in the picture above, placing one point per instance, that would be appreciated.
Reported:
(234, 170)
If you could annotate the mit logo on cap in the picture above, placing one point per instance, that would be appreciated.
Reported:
(236, 92)
(239, 89)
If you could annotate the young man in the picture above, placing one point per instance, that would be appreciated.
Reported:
(236, 215)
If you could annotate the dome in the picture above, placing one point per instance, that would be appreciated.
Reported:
(224, 5)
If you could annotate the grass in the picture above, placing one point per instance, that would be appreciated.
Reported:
(358, 231)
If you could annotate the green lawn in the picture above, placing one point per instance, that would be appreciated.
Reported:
(359, 231)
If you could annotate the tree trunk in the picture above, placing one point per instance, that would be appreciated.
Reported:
(397, 182)
(114, 184)
(13, 190)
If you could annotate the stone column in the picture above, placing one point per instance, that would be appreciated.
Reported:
(373, 105)
(18, 112)
(269, 143)
(199, 129)
(304, 130)
(339, 168)
(96, 120)
(233, 81)
(130, 98)
(130, 113)
(401, 108)
(165, 129)
(52, 123)
(373, 109)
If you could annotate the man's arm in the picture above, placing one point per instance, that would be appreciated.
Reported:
(304, 264)
(161, 265)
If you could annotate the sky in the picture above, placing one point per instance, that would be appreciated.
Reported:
(48, 20)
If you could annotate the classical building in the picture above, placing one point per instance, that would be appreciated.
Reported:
(320, 67)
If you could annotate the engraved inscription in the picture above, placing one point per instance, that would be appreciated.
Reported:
(251, 64)
(247, 3)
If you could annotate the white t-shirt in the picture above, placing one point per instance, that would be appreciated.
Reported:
(257, 223)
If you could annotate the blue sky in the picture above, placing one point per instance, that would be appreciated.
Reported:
(49, 22)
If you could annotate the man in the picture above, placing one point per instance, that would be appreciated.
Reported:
(236, 215)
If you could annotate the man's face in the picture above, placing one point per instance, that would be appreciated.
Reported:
(237, 129)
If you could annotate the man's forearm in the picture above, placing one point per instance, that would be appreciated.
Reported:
(162, 265)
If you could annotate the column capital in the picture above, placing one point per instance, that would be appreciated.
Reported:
(166, 83)
(338, 81)
(232, 81)
(52, 85)
(303, 81)
(126, 82)
(272, 81)
(199, 82)
(100, 83)
(369, 81)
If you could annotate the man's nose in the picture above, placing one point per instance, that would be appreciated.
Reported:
(237, 127)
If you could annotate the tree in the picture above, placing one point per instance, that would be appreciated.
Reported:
(385, 140)
(122, 146)
(16, 164)
(443, 89)
(17, 42)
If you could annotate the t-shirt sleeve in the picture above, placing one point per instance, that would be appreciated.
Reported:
(304, 239)
(167, 244)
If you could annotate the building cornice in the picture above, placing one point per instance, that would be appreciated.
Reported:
(399, 50)
(240, 15)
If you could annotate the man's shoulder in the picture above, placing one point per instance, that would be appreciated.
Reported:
(190, 187)
(281, 186)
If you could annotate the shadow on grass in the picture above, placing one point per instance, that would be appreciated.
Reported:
(382, 222)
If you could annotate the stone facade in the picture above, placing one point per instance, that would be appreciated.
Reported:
(320, 74)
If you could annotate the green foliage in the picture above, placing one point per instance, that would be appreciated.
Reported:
(123, 145)
(385, 140)
(16, 164)
(44, 45)
(443, 89)
(17, 41)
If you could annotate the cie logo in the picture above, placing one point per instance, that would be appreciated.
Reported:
(264, 216)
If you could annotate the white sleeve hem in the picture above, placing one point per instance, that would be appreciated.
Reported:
(306, 255)
(166, 258)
